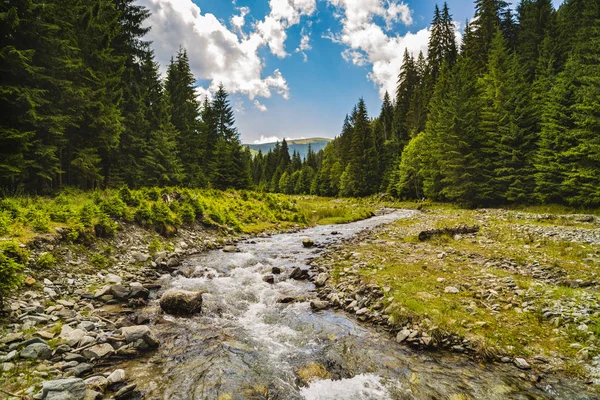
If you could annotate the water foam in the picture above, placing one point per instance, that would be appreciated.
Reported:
(361, 387)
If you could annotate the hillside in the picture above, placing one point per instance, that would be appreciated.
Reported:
(300, 145)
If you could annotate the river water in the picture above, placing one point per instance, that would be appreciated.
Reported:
(246, 345)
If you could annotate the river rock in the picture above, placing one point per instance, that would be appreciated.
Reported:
(140, 257)
(522, 363)
(113, 279)
(64, 389)
(230, 249)
(125, 391)
(97, 383)
(72, 336)
(98, 351)
(299, 274)
(451, 289)
(37, 350)
(181, 302)
(321, 279)
(80, 369)
(276, 270)
(93, 395)
(120, 292)
(137, 333)
(307, 242)
(318, 305)
(269, 279)
(117, 376)
(138, 292)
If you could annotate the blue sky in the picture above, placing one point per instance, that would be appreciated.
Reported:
(280, 88)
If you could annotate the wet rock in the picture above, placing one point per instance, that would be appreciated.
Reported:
(125, 391)
(37, 351)
(137, 291)
(117, 376)
(181, 302)
(173, 263)
(134, 334)
(299, 274)
(98, 351)
(64, 389)
(521, 363)
(317, 305)
(230, 249)
(276, 270)
(269, 279)
(308, 243)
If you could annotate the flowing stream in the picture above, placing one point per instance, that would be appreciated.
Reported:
(246, 345)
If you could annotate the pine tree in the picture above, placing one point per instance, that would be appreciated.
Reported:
(487, 19)
(407, 82)
(185, 116)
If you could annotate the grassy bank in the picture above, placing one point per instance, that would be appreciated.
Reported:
(84, 218)
(525, 285)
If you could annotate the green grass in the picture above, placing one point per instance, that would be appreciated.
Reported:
(418, 272)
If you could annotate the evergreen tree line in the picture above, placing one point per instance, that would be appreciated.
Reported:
(510, 115)
(82, 104)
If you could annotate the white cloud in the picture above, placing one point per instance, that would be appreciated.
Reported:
(259, 106)
(304, 46)
(284, 14)
(216, 53)
(238, 21)
(267, 139)
(368, 43)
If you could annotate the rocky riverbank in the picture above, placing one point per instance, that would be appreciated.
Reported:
(523, 290)
(65, 333)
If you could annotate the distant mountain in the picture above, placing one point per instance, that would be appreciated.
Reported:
(300, 145)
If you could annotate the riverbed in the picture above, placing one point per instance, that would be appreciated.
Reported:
(247, 344)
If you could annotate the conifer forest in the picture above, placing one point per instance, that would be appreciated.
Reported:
(510, 114)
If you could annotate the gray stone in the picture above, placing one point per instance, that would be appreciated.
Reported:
(86, 340)
(73, 357)
(451, 289)
(64, 389)
(138, 292)
(181, 302)
(230, 249)
(521, 363)
(120, 292)
(321, 279)
(117, 376)
(299, 274)
(7, 367)
(113, 279)
(98, 351)
(93, 395)
(140, 257)
(269, 279)
(125, 391)
(140, 332)
(37, 350)
(72, 336)
(317, 305)
(86, 326)
(80, 369)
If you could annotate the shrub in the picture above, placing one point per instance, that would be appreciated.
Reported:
(105, 227)
(13, 250)
(187, 213)
(113, 206)
(40, 222)
(10, 276)
(60, 213)
(143, 215)
(5, 222)
(87, 215)
(127, 196)
(154, 246)
(46, 260)
(164, 221)
(99, 260)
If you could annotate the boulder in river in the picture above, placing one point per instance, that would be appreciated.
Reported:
(307, 242)
(181, 302)
(141, 336)
(299, 274)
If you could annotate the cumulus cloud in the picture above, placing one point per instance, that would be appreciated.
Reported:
(267, 139)
(259, 106)
(370, 44)
(218, 54)
(284, 14)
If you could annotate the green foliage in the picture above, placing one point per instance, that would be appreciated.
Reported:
(99, 260)
(10, 275)
(154, 246)
(39, 221)
(187, 213)
(5, 222)
(45, 260)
